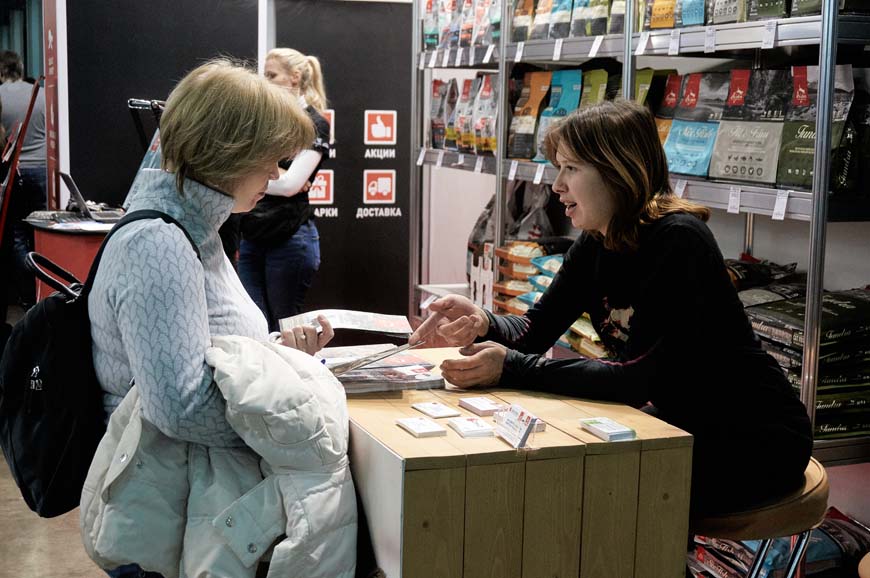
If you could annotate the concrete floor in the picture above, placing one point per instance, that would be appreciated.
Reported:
(34, 547)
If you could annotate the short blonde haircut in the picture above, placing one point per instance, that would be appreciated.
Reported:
(222, 122)
(310, 74)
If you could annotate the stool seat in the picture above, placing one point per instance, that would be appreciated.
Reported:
(864, 567)
(798, 512)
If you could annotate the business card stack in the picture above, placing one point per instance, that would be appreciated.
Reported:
(482, 406)
(470, 427)
(421, 427)
(435, 409)
(607, 429)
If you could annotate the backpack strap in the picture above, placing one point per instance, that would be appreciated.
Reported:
(127, 219)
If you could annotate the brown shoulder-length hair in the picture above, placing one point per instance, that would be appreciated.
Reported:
(620, 140)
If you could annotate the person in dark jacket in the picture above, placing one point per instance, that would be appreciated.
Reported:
(648, 272)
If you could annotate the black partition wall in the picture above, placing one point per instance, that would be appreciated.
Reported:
(365, 51)
(134, 49)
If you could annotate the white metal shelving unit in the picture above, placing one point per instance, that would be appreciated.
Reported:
(825, 31)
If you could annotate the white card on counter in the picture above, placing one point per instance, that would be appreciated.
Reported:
(518, 57)
(734, 200)
(642, 43)
(607, 429)
(470, 427)
(781, 205)
(433, 60)
(445, 62)
(435, 409)
(422, 157)
(460, 160)
(539, 174)
(768, 40)
(680, 188)
(478, 165)
(487, 56)
(421, 427)
(480, 405)
(710, 39)
(557, 49)
(674, 43)
(514, 425)
(596, 46)
(458, 61)
(440, 161)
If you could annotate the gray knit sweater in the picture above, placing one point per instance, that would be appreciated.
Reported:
(154, 308)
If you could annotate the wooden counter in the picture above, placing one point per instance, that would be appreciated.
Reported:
(569, 505)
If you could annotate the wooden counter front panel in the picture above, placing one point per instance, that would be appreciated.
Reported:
(433, 520)
(552, 518)
(494, 520)
(663, 513)
(609, 515)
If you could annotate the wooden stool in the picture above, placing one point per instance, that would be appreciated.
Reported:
(797, 513)
(864, 567)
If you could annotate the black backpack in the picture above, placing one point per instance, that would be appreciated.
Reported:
(51, 405)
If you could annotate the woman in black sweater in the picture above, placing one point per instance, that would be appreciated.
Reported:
(648, 272)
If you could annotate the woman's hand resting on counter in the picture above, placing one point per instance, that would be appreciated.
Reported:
(481, 365)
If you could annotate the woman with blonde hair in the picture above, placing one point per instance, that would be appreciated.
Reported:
(280, 249)
(648, 272)
(163, 290)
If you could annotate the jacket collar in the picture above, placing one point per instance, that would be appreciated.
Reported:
(201, 209)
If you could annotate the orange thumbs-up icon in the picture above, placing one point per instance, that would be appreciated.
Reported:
(380, 127)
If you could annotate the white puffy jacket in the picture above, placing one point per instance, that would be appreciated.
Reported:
(186, 510)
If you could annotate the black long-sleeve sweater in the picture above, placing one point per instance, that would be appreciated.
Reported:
(681, 338)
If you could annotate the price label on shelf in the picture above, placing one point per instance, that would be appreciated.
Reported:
(710, 39)
(460, 160)
(557, 49)
(680, 188)
(471, 55)
(539, 174)
(768, 40)
(642, 43)
(521, 46)
(458, 61)
(478, 165)
(512, 174)
(487, 57)
(446, 61)
(422, 157)
(596, 46)
(440, 160)
(734, 200)
(674, 43)
(781, 205)
(422, 63)
(433, 60)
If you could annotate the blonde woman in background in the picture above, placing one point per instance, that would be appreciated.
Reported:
(280, 249)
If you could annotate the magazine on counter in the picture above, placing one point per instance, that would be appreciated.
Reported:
(348, 319)
(403, 370)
